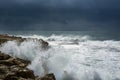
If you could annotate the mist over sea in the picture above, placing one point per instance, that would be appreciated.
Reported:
(73, 55)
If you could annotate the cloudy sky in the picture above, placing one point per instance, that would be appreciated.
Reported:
(59, 14)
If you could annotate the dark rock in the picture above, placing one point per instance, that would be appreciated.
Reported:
(44, 44)
(19, 40)
(10, 62)
(15, 68)
(48, 77)
(12, 68)
(25, 73)
(4, 56)
(20, 78)
(11, 77)
(3, 41)
(5, 38)
(3, 69)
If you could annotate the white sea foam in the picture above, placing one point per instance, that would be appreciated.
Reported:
(88, 60)
(54, 37)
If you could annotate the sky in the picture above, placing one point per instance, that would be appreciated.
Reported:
(60, 15)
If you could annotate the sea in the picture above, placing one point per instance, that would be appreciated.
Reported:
(72, 55)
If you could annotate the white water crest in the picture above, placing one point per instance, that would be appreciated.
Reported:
(55, 37)
(86, 60)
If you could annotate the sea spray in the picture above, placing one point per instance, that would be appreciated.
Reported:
(55, 37)
(88, 60)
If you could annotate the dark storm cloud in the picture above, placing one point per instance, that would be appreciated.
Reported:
(59, 14)
(65, 3)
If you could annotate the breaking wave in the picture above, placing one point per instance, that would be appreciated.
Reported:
(87, 60)
(55, 37)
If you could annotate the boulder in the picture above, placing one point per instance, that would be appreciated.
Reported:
(25, 73)
(45, 44)
(11, 77)
(48, 77)
(3, 40)
(4, 56)
(12, 68)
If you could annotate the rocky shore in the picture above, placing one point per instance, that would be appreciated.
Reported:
(12, 68)
(4, 38)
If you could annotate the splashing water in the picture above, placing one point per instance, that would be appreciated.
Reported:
(87, 60)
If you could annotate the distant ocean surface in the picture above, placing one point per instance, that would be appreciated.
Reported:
(73, 55)
(95, 35)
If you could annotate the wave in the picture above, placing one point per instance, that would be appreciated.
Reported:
(61, 39)
(88, 60)
(55, 37)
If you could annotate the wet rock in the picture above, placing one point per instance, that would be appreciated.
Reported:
(48, 77)
(45, 44)
(3, 69)
(9, 61)
(20, 78)
(25, 73)
(15, 68)
(19, 40)
(4, 56)
(12, 68)
(12, 61)
(13, 71)
(4, 38)
(3, 41)
(11, 77)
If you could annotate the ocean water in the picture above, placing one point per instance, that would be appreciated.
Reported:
(73, 55)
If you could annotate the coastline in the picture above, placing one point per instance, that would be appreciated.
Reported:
(13, 68)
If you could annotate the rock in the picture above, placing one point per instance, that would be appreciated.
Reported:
(11, 77)
(12, 68)
(12, 61)
(8, 60)
(4, 38)
(4, 56)
(3, 71)
(48, 77)
(15, 68)
(44, 44)
(22, 63)
(25, 73)
(3, 41)
(20, 78)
